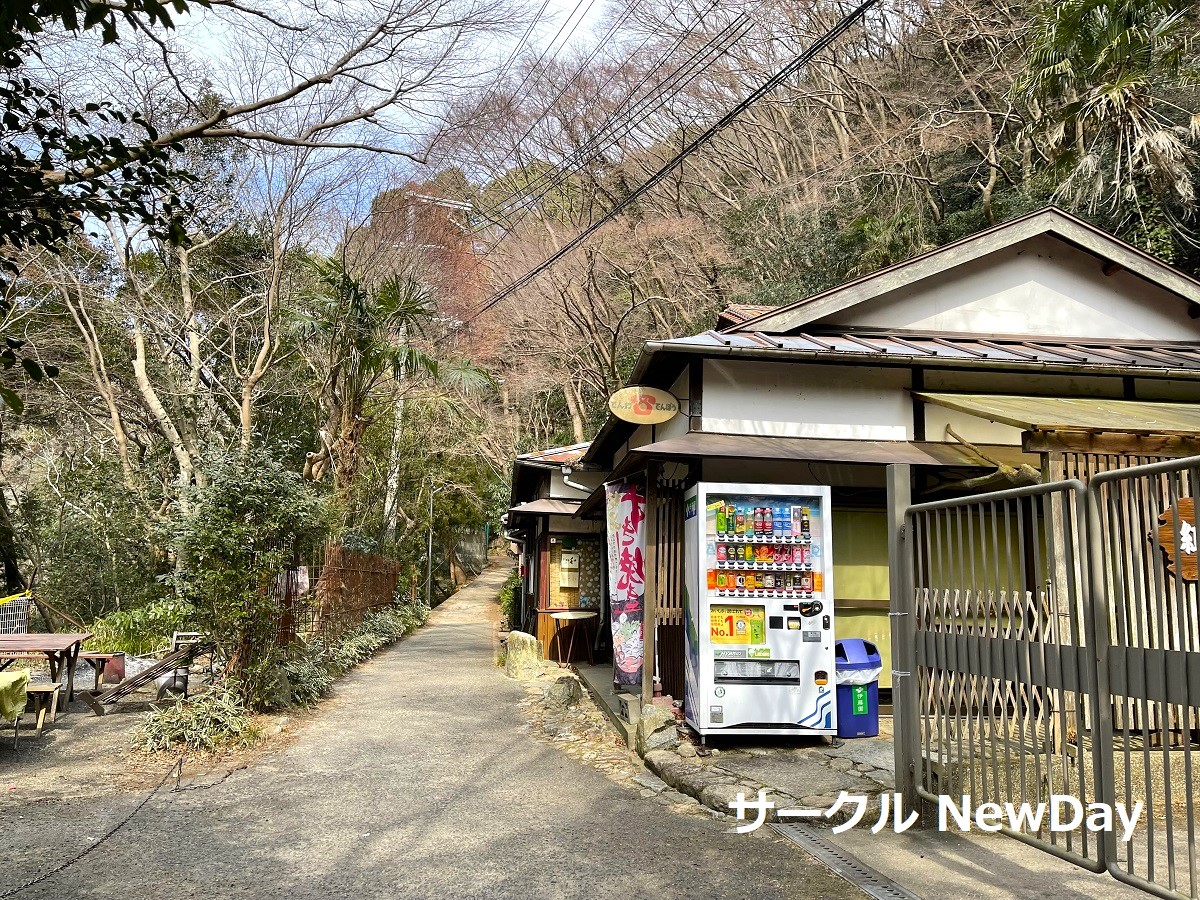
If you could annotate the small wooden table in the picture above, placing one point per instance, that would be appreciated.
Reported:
(61, 651)
(576, 617)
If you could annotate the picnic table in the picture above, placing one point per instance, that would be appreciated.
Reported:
(61, 651)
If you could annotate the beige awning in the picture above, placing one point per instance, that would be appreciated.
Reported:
(1087, 414)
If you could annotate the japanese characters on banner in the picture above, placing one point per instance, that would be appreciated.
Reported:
(626, 507)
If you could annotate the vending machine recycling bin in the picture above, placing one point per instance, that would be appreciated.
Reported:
(758, 609)
(859, 666)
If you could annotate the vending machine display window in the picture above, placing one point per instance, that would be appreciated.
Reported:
(759, 609)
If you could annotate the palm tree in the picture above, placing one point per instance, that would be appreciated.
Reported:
(1105, 80)
(363, 341)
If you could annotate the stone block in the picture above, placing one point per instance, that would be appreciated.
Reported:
(523, 656)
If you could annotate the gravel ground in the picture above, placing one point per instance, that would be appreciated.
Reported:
(420, 779)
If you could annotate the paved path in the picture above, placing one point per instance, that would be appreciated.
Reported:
(416, 780)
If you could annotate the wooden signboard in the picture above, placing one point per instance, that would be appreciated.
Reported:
(1181, 559)
(643, 405)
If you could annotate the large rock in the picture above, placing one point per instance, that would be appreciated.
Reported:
(656, 730)
(522, 656)
(564, 692)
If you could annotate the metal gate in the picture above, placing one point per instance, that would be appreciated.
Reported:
(1053, 634)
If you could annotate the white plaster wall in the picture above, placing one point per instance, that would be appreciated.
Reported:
(795, 400)
(560, 490)
(1039, 287)
(977, 431)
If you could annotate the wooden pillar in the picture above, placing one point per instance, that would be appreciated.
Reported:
(650, 586)
(901, 609)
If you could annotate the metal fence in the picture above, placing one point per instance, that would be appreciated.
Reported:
(1143, 529)
(999, 613)
(330, 590)
(471, 551)
(1057, 651)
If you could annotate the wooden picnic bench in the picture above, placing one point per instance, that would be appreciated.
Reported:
(45, 698)
(60, 650)
(99, 660)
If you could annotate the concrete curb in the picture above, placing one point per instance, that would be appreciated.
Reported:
(717, 787)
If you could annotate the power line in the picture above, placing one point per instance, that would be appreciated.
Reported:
(636, 116)
(583, 67)
(632, 93)
(611, 130)
(762, 90)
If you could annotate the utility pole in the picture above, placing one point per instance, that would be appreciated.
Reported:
(429, 547)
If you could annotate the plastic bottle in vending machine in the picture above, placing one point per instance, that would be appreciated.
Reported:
(722, 552)
(796, 522)
(777, 519)
(739, 581)
(805, 520)
(721, 518)
(806, 582)
(768, 521)
(758, 520)
(712, 579)
(739, 521)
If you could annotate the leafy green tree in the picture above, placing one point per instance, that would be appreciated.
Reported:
(1115, 83)
(240, 532)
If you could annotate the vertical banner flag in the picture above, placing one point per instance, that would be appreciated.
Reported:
(626, 508)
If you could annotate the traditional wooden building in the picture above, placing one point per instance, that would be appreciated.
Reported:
(561, 557)
(1038, 348)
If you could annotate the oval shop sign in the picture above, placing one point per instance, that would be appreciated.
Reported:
(643, 405)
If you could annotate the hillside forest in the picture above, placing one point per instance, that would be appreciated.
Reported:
(248, 248)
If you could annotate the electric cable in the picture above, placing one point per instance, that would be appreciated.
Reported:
(610, 132)
(690, 148)
(583, 67)
(641, 82)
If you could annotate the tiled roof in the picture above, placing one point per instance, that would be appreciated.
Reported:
(737, 313)
(918, 346)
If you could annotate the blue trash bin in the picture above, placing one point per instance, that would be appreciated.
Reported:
(857, 704)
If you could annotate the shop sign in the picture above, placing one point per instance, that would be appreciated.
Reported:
(1179, 548)
(643, 405)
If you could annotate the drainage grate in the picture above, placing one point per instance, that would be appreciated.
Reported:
(862, 876)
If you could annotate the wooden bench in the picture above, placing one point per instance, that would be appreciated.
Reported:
(99, 660)
(44, 695)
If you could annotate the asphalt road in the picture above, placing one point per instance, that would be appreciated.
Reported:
(416, 780)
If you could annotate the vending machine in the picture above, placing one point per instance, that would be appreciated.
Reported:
(758, 610)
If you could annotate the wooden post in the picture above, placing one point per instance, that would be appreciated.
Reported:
(1057, 608)
(650, 586)
(901, 609)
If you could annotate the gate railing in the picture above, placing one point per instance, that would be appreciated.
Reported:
(1003, 696)
(1053, 633)
(1143, 547)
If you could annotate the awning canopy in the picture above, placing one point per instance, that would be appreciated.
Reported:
(1087, 414)
(750, 446)
(546, 508)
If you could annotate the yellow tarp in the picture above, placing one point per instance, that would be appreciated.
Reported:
(12, 694)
